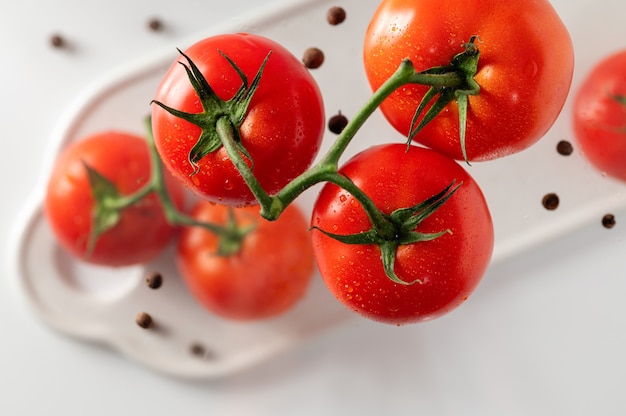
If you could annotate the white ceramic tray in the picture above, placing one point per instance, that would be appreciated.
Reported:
(100, 304)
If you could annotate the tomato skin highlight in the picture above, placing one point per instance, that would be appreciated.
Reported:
(450, 267)
(266, 278)
(123, 158)
(600, 118)
(524, 70)
(282, 130)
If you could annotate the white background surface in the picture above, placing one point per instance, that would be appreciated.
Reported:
(543, 335)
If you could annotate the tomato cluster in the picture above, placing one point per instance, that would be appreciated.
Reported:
(401, 232)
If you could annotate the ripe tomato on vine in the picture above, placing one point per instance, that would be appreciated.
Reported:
(251, 88)
(89, 179)
(260, 270)
(500, 101)
(438, 249)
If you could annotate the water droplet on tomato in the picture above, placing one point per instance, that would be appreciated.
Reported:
(343, 198)
(228, 185)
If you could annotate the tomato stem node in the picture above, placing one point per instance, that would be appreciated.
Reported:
(404, 222)
(464, 65)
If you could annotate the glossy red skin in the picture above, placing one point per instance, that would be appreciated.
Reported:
(599, 119)
(282, 130)
(141, 234)
(450, 267)
(524, 70)
(266, 278)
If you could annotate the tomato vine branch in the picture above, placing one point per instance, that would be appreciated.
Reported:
(109, 204)
(324, 170)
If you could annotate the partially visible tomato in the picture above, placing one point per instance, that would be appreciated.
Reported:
(142, 231)
(267, 276)
(600, 115)
(524, 70)
(281, 131)
(448, 267)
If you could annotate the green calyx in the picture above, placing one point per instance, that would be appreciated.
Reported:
(232, 235)
(214, 108)
(109, 203)
(105, 215)
(404, 223)
(620, 99)
(465, 66)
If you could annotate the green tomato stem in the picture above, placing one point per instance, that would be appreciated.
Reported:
(380, 222)
(229, 232)
(109, 204)
(326, 170)
(121, 202)
(226, 133)
(404, 74)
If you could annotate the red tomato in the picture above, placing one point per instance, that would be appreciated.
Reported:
(449, 267)
(267, 276)
(524, 70)
(600, 116)
(282, 129)
(142, 230)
